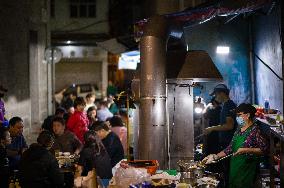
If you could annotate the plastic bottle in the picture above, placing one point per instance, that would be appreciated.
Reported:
(12, 184)
(278, 117)
(146, 185)
(266, 106)
(94, 182)
(17, 184)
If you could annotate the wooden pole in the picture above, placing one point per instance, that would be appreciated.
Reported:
(128, 130)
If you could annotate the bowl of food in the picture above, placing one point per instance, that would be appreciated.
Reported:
(66, 154)
(199, 171)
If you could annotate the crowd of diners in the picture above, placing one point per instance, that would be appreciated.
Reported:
(93, 131)
(96, 132)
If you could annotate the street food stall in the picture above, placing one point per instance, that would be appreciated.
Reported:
(143, 173)
(166, 109)
(272, 126)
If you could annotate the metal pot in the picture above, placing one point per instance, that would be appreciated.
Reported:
(191, 181)
(189, 174)
(199, 171)
(186, 166)
(206, 186)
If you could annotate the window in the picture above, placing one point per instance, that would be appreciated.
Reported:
(82, 8)
(85, 88)
(52, 8)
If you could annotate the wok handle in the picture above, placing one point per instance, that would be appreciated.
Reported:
(227, 156)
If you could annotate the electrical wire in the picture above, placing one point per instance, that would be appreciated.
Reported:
(82, 28)
(280, 35)
(265, 64)
(255, 55)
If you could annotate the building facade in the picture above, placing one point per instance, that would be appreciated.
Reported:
(76, 27)
(24, 36)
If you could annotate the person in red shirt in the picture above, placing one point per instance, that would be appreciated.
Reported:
(78, 122)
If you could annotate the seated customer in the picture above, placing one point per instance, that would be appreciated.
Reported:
(65, 140)
(78, 122)
(94, 155)
(47, 124)
(120, 130)
(90, 101)
(111, 142)
(18, 144)
(103, 112)
(5, 139)
(92, 116)
(38, 167)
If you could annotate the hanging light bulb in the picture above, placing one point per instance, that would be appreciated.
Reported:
(198, 106)
(53, 55)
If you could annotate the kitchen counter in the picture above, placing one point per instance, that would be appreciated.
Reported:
(277, 132)
(273, 132)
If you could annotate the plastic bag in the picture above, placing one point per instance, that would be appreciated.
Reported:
(86, 181)
(124, 177)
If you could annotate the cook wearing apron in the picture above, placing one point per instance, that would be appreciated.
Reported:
(247, 145)
(243, 166)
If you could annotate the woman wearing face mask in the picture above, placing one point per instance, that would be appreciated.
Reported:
(247, 145)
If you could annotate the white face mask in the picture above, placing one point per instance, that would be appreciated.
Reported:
(240, 121)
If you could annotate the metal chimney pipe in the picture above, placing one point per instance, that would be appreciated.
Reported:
(152, 141)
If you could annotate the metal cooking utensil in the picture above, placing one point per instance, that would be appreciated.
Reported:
(199, 136)
(218, 160)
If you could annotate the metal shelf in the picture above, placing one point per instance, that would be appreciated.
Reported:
(277, 133)
(274, 133)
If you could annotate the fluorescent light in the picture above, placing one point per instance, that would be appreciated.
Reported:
(122, 64)
(132, 56)
(198, 110)
(223, 50)
(129, 60)
(68, 42)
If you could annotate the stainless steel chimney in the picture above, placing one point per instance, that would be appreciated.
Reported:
(152, 141)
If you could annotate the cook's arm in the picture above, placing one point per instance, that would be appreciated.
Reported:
(221, 154)
(256, 151)
(229, 125)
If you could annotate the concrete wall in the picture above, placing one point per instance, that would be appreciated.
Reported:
(168, 6)
(23, 37)
(267, 45)
(82, 64)
(62, 20)
(80, 72)
(90, 54)
(234, 66)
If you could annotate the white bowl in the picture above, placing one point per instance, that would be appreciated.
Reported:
(66, 153)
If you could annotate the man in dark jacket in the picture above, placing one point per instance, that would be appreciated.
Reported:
(47, 123)
(38, 167)
(227, 125)
(5, 139)
(18, 144)
(111, 142)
